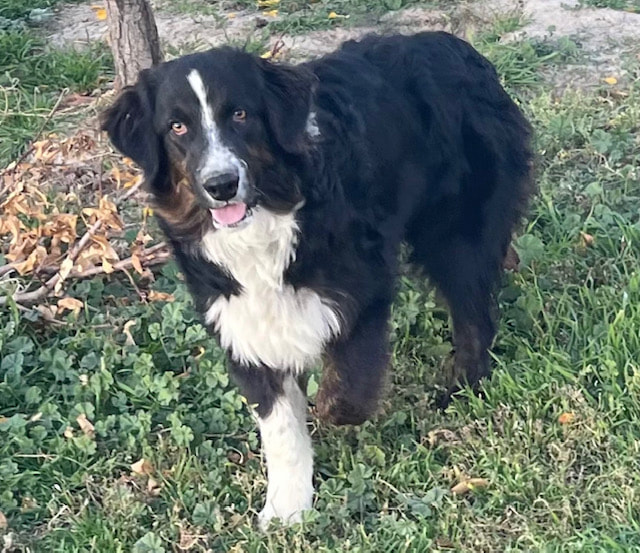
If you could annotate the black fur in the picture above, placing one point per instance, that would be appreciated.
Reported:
(419, 142)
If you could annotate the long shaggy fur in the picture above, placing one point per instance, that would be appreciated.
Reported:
(337, 162)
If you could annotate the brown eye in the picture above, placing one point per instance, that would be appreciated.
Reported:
(239, 115)
(178, 128)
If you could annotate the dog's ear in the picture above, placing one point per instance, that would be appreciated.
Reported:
(287, 92)
(129, 124)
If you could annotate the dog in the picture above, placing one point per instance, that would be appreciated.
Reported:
(286, 192)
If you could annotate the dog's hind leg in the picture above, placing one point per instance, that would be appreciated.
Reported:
(466, 274)
(355, 365)
(281, 408)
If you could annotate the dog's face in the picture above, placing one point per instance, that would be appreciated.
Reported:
(215, 134)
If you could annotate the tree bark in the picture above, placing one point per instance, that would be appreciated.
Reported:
(134, 39)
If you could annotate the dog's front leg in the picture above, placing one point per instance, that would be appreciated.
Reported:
(281, 409)
(355, 365)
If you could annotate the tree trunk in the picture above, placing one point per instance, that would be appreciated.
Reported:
(134, 39)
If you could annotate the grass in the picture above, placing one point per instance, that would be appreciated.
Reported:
(296, 17)
(625, 5)
(302, 17)
(20, 9)
(556, 435)
(32, 78)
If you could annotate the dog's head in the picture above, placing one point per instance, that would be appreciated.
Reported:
(215, 133)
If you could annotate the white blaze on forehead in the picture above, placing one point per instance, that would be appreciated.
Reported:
(217, 158)
(197, 85)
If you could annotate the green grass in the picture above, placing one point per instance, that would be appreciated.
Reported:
(569, 342)
(19, 9)
(301, 17)
(296, 17)
(32, 77)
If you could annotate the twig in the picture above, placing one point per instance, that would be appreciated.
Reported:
(7, 269)
(145, 256)
(277, 47)
(44, 456)
(129, 193)
(45, 316)
(141, 295)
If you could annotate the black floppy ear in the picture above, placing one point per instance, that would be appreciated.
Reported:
(288, 91)
(129, 125)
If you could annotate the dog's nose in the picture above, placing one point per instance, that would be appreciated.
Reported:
(222, 187)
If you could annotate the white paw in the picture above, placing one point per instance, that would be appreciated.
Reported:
(287, 512)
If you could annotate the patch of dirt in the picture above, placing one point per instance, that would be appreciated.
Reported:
(604, 37)
(595, 27)
(77, 25)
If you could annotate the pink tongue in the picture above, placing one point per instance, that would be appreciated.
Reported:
(229, 214)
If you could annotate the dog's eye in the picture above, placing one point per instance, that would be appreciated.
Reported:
(178, 128)
(239, 115)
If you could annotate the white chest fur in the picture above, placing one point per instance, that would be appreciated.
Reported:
(268, 322)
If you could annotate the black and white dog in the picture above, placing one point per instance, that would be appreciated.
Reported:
(286, 192)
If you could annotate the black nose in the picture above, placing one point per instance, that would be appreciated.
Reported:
(222, 187)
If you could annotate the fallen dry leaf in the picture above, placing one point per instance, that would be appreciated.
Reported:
(106, 266)
(566, 418)
(587, 239)
(143, 466)
(153, 487)
(68, 432)
(72, 304)
(34, 260)
(160, 296)
(135, 262)
(3, 521)
(469, 485)
(101, 13)
(65, 269)
(188, 539)
(442, 435)
(85, 425)
(445, 543)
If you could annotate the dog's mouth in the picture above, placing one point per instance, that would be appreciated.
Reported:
(231, 215)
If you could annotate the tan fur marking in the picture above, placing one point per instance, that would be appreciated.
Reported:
(180, 208)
